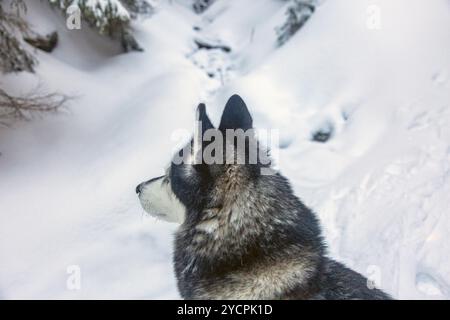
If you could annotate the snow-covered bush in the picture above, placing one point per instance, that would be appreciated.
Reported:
(13, 56)
(201, 5)
(138, 7)
(110, 17)
(297, 14)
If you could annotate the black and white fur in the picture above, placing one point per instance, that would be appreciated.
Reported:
(244, 235)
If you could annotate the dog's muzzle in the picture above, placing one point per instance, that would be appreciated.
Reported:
(141, 186)
(157, 199)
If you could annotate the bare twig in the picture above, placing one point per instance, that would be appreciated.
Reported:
(25, 107)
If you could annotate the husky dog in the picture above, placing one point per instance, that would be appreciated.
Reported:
(243, 234)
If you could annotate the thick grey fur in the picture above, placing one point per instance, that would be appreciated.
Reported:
(247, 236)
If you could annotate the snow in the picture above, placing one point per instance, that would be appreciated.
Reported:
(379, 185)
(97, 7)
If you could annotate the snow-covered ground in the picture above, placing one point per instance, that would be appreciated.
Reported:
(380, 184)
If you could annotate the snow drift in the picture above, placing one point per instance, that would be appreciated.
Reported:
(379, 183)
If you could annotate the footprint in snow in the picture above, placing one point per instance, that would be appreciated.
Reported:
(440, 77)
(428, 285)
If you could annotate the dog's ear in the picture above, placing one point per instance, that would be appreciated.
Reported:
(202, 124)
(202, 117)
(236, 115)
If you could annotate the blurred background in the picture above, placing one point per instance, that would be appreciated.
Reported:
(92, 92)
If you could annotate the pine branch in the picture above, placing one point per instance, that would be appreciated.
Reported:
(200, 6)
(13, 57)
(111, 18)
(298, 13)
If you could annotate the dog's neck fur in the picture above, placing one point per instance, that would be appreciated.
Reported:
(228, 251)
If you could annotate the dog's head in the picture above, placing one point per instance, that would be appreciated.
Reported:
(208, 172)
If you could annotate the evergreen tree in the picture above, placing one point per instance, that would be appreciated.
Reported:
(201, 5)
(110, 17)
(297, 14)
(13, 56)
(138, 8)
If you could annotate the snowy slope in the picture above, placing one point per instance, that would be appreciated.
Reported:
(380, 185)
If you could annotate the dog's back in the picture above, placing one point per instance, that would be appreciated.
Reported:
(337, 282)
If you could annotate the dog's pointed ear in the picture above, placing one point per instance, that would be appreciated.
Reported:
(202, 117)
(236, 115)
(202, 124)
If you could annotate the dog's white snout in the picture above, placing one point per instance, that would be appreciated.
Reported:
(157, 198)
(141, 186)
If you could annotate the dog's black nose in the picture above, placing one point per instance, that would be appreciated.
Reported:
(138, 188)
